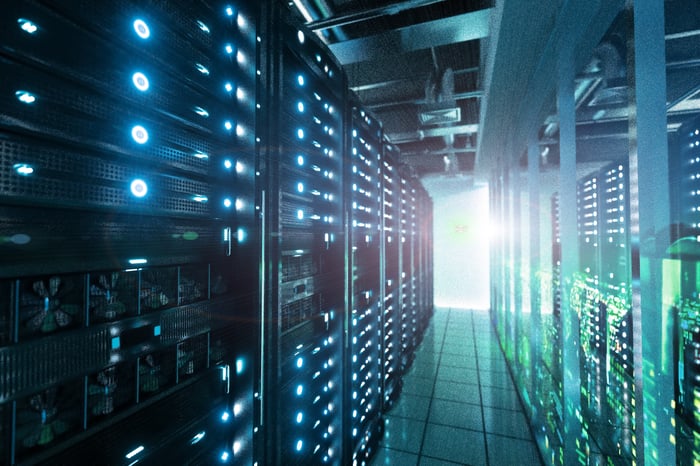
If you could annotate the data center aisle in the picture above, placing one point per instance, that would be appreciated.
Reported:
(458, 404)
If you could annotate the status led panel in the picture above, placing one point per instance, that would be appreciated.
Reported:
(549, 373)
(556, 256)
(365, 356)
(615, 289)
(308, 381)
(391, 276)
(591, 311)
(407, 309)
(126, 155)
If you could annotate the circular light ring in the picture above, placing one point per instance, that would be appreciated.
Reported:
(140, 81)
(228, 164)
(139, 134)
(138, 188)
(301, 37)
(141, 28)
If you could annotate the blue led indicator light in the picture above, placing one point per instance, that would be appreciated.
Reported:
(139, 134)
(25, 97)
(156, 331)
(142, 29)
(138, 188)
(116, 343)
(27, 26)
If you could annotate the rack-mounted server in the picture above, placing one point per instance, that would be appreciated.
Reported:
(364, 392)
(304, 398)
(335, 295)
(681, 282)
(391, 300)
(127, 168)
(601, 297)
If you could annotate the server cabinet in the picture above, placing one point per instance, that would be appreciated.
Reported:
(406, 275)
(364, 357)
(602, 298)
(391, 291)
(680, 288)
(424, 220)
(126, 155)
(304, 311)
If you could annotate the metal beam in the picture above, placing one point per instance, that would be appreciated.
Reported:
(398, 138)
(435, 153)
(405, 79)
(371, 13)
(398, 103)
(459, 28)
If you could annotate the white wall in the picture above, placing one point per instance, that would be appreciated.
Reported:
(461, 243)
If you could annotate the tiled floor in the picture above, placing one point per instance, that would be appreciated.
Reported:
(458, 404)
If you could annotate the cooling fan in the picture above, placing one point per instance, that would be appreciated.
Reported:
(44, 427)
(185, 359)
(45, 309)
(101, 392)
(150, 374)
(189, 290)
(103, 298)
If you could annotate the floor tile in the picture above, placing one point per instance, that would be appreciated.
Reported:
(411, 406)
(389, 457)
(456, 414)
(496, 380)
(403, 434)
(499, 398)
(421, 386)
(456, 374)
(506, 423)
(423, 369)
(466, 361)
(453, 444)
(428, 461)
(505, 451)
(456, 391)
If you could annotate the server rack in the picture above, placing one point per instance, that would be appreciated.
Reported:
(681, 279)
(364, 357)
(390, 294)
(602, 299)
(127, 148)
(406, 275)
(591, 311)
(304, 313)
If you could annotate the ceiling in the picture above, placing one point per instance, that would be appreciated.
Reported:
(459, 83)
